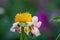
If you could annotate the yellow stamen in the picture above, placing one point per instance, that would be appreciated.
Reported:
(27, 30)
(24, 17)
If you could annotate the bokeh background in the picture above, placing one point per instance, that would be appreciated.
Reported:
(44, 9)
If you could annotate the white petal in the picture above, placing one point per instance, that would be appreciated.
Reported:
(35, 19)
(13, 30)
(29, 23)
(38, 24)
(35, 31)
(14, 25)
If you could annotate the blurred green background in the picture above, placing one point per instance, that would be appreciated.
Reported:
(9, 8)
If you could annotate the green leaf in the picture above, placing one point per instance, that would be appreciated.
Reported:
(56, 19)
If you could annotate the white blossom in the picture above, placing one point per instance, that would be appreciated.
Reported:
(36, 24)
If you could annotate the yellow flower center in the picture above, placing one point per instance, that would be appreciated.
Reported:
(27, 29)
(23, 17)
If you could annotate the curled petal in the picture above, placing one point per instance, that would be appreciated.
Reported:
(15, 24)
(14, 27)
(38, 24)
(35, 19)
(35, 31)
(13, 30)
(17, 29)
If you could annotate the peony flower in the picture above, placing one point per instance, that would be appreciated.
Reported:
(26, 23)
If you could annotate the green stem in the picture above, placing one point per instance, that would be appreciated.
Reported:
(26, 37)
(21, 34)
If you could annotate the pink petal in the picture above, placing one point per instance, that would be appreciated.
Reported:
(14, 28)
(35, 31)
(38, 24)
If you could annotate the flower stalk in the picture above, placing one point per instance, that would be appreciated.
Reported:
(21, 34)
